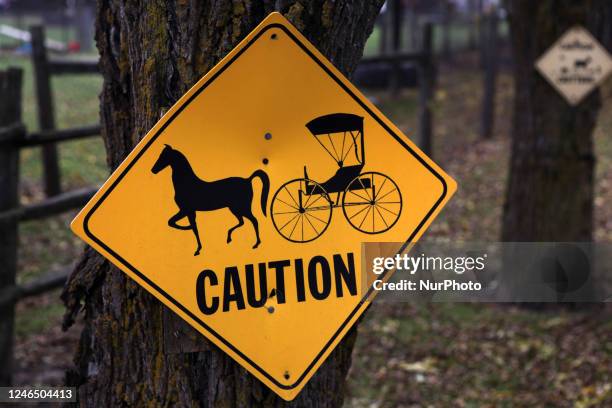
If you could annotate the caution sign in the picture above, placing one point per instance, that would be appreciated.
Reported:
(575, 65)
(244, 208)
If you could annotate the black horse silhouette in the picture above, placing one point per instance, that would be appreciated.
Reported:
(582, 63)
(192, 194)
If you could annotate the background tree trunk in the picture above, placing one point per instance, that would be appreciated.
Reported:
(550, 189)
(151, 53)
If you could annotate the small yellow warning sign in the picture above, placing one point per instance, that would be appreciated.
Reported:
(244, 208)
(575, 65)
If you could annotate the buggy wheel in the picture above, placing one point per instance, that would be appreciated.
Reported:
(372, 203)
(298, 216)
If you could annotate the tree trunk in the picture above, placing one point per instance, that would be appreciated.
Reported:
(151, 53)
(550, 189)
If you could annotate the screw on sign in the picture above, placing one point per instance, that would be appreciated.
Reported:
(263, 181)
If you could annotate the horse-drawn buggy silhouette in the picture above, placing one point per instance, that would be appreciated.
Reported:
(371, 201)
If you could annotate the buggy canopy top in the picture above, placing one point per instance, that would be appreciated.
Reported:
(335, 123)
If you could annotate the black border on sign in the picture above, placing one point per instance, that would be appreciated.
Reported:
(174, 115)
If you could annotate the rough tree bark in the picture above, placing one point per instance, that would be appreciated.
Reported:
(151, 53)
(550, 189)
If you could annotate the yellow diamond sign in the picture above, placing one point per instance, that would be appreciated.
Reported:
(244, 208)
(575, 65)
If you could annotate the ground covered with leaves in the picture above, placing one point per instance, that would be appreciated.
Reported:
(481, 355)
(473, 355)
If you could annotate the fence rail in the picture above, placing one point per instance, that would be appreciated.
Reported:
(12, 132)
(50, 206)
(66, 66)
(53, 280)
(56, 136)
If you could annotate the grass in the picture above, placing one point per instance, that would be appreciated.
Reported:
(37, 319)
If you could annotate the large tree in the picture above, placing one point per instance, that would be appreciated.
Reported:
(151, 52)
(550, 187)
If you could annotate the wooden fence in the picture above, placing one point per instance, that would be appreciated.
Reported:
(45, 68)
(426, 80)
(13, 138)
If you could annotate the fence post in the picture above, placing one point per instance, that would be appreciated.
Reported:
(413, 27)
(481, 34)
(395, 11)
(46, 112)
(490, 77)
(383, 26)
(447, 47)
(10, 113)
(472, 23)
(427, 71)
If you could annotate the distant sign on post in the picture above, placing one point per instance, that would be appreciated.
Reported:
(244, 208)
(575, 65)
